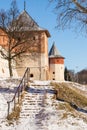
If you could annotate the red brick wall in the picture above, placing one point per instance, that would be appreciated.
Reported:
(56, 60)
(3, 38)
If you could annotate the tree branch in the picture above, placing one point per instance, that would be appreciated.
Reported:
(81, 8)
(17, 54)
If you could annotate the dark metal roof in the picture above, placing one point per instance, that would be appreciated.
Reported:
(28, 23)
(54, 52)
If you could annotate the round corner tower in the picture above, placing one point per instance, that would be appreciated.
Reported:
(56, 64)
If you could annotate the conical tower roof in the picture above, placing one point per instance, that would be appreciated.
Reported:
(54, 52)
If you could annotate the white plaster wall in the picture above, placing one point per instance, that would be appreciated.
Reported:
(38, 64)
(58, 70)
(44, 66)
(4, 70)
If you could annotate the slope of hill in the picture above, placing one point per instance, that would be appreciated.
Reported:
(72, 93)
(40, 110)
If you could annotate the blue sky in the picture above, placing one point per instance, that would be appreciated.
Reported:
(71, 45)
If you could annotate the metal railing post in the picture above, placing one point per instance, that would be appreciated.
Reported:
(8, 108)
(20, 88)
(14, 104)
(28, 75)
(18, 94)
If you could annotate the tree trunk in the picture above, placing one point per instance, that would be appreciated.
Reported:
(10, 68)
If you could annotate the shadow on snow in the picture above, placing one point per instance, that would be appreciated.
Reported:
(41, 91)
(8, 90)
(73, 106)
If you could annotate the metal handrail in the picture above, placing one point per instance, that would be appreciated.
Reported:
(21, 87)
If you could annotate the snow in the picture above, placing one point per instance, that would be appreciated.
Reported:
(3, 106)
(80, 86)
(47, 117)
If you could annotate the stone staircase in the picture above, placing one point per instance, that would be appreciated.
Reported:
(32, 104)
(35, 102)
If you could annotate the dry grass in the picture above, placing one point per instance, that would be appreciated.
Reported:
(65, 115)
(15, 114)
(70, 95)
(68, 110)
(65, 106)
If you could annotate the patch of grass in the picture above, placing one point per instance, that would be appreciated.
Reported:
(65, 106)
(70, 95)
(65, 115)
(15, 114)
(68, 110)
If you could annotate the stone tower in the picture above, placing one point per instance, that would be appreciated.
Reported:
(56, 64)
(36, 58)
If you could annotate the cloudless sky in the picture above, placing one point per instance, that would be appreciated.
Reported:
(71, 45)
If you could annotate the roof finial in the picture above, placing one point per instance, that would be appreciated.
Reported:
(24, 5)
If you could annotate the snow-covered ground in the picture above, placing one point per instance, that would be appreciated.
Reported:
(48, 115)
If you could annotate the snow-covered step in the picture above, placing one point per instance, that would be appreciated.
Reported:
(31, 104)
(35, 101)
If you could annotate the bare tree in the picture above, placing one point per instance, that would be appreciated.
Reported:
(71, 13)
(19, 41)
(7, 19)
(3, 18)
(82, 76)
